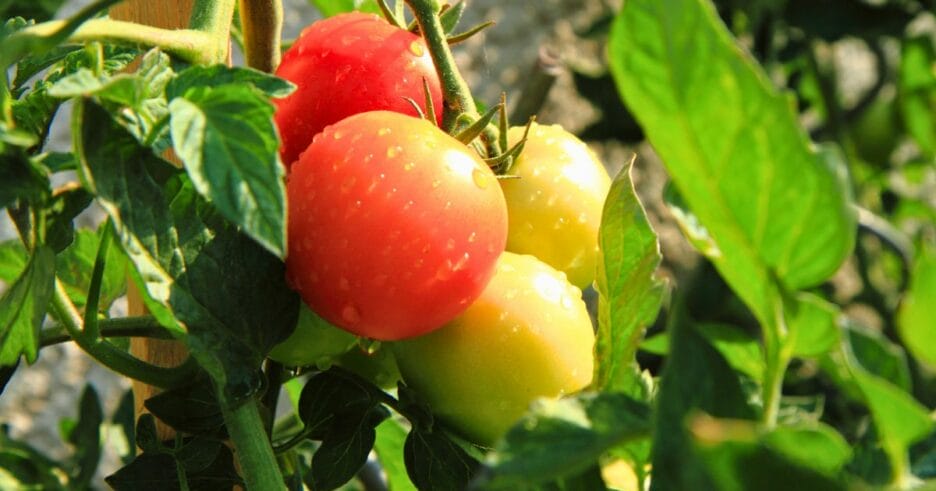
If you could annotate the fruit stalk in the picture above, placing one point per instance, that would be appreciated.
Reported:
(262, 23)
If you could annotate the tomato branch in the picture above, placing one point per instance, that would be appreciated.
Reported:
(262, 25)
(109, 355)
(144, 326)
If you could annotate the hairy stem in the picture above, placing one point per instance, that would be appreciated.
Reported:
(251, 444)
(457, 99)
(262, 25)
(144, 326)
(190, 45)
(109, 355)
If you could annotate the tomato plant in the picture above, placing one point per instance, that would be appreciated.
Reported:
(790, 174)
(555, 205)
(348, 64)
(395, 226)
(527, 336)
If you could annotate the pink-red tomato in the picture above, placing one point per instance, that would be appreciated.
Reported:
(394, 226)
(349, 64)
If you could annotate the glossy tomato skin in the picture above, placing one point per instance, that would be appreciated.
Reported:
(394, 226)
(348, 64)
(555, 206)
(528, 336)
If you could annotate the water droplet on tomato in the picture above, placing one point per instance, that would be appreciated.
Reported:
(567, 302)
(473, 236)
(416, 48)
(383, 132)
(450, 244)
(394, 151)
(409, 166)
(552, 200)
(480, 178)
(445, 271)
(368, 158)
(511, 294)
(448, 205)
(350, 314)
(337, 134)
(462, 262)
(436, 183)
(408, 205)
(583, 217)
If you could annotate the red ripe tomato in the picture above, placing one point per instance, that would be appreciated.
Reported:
(394, 226)
(349, 64)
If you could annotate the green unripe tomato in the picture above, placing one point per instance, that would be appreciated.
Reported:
(313, 342)
(554, 208)
(527, 336)
(379, 367)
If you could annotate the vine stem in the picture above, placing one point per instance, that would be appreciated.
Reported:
(144, 326)
(457, 99)
(262, 24)
(109, 355)
(778, 347)
(191, 45)
(257, 462)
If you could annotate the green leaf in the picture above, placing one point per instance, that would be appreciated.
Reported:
(774, 207)
(815, 325)
(216, 75)
(329, 394)
(201, 278)
(206, 464)
(817, 446)
(192, 408)
(630, 295)
(559, 438)
(436, 462)
(75, 264)
(832, 20)
(329, 8)
(227, 140)
(147, 470)
(13, 260)
(917, 91)
(695, 378)
(738, 459)
(23, 467)
(21, 44)
(345, 447)
(739, 349)
(60, 212)
(391, 436)
(20, 180)
(917, 310)
(86, 438)
(23, 307)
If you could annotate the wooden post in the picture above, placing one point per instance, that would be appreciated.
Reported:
(167, 14)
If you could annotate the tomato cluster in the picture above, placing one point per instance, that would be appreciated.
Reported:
(398, 231)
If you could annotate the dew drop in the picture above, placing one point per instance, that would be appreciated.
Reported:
(510, 294)
(480, 178)
(394, 151)
(462, 262)
(350, 314)
(368, 158)
(409, 166)
(436, 183)
(473, 236)
(383, 132)
(583, 217)
(416, 48)
(445, 271)
(552, 200)
(337, 134)
(408, 205)
(567, 302)
(450, 244)
(448, 205)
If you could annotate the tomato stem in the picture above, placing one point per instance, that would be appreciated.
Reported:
(112, 357)
(143, 326)
(262, 25)
(251, 444)
(777, 354)
(457, 99)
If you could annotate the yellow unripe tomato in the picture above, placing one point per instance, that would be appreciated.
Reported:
(527, 336)
(554, 208)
